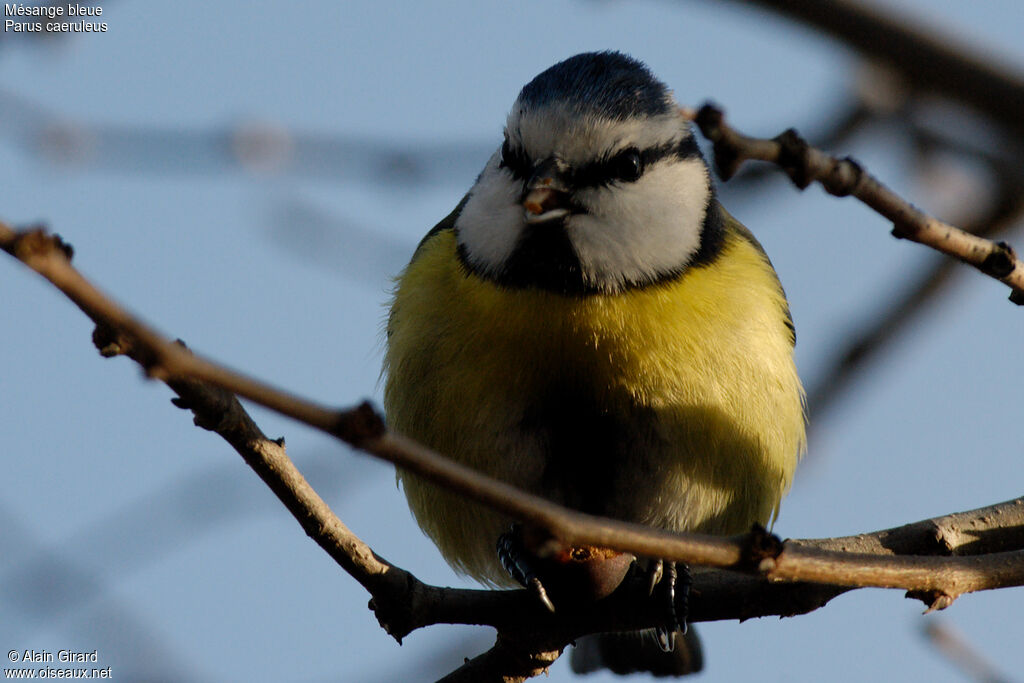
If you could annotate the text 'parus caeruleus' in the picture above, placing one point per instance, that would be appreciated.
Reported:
(590, 325)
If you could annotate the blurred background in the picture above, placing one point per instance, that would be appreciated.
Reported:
(248, 176)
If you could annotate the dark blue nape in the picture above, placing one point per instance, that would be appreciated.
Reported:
(608, 84)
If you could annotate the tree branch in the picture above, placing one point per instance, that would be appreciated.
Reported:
(842, 177)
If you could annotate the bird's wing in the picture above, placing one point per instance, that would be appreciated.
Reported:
(731, 224)
(447, 223)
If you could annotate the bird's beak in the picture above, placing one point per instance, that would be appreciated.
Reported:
(547, 194)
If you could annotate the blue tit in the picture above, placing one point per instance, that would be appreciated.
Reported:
(590, 325)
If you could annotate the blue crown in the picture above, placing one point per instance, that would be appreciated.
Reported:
(606, 84)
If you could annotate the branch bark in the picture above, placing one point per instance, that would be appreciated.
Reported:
(805, 164)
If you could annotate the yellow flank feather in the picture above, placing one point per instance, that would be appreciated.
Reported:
(703, 364)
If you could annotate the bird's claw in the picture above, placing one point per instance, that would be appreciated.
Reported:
(516, 562)
(654, 575)
(674, 580)
(537, 588)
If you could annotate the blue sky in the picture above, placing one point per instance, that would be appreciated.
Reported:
(126, 529)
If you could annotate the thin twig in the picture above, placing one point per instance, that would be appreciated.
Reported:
(961, 653)
(845, 177)
(863, 345)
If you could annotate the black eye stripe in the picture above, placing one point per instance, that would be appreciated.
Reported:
(687, 149)
(609, 169)
(618, 167)
(515, 160)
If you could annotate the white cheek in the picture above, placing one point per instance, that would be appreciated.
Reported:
(492, 219)
(637, 231)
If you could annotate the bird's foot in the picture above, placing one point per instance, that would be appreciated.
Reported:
(672, 582)
(519, 564)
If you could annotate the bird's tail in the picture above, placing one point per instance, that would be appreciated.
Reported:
(637, 651)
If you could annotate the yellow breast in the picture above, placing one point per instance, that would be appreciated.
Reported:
(701, 366)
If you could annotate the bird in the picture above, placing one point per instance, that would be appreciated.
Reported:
(590, 325)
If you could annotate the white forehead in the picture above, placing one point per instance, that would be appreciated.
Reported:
(580, 138)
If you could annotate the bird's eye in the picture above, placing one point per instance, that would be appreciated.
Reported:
(514, 160)
(626, 165)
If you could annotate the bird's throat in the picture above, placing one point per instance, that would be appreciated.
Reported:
(544, 258)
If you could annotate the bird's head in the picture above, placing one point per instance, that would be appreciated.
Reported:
(598, 186)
